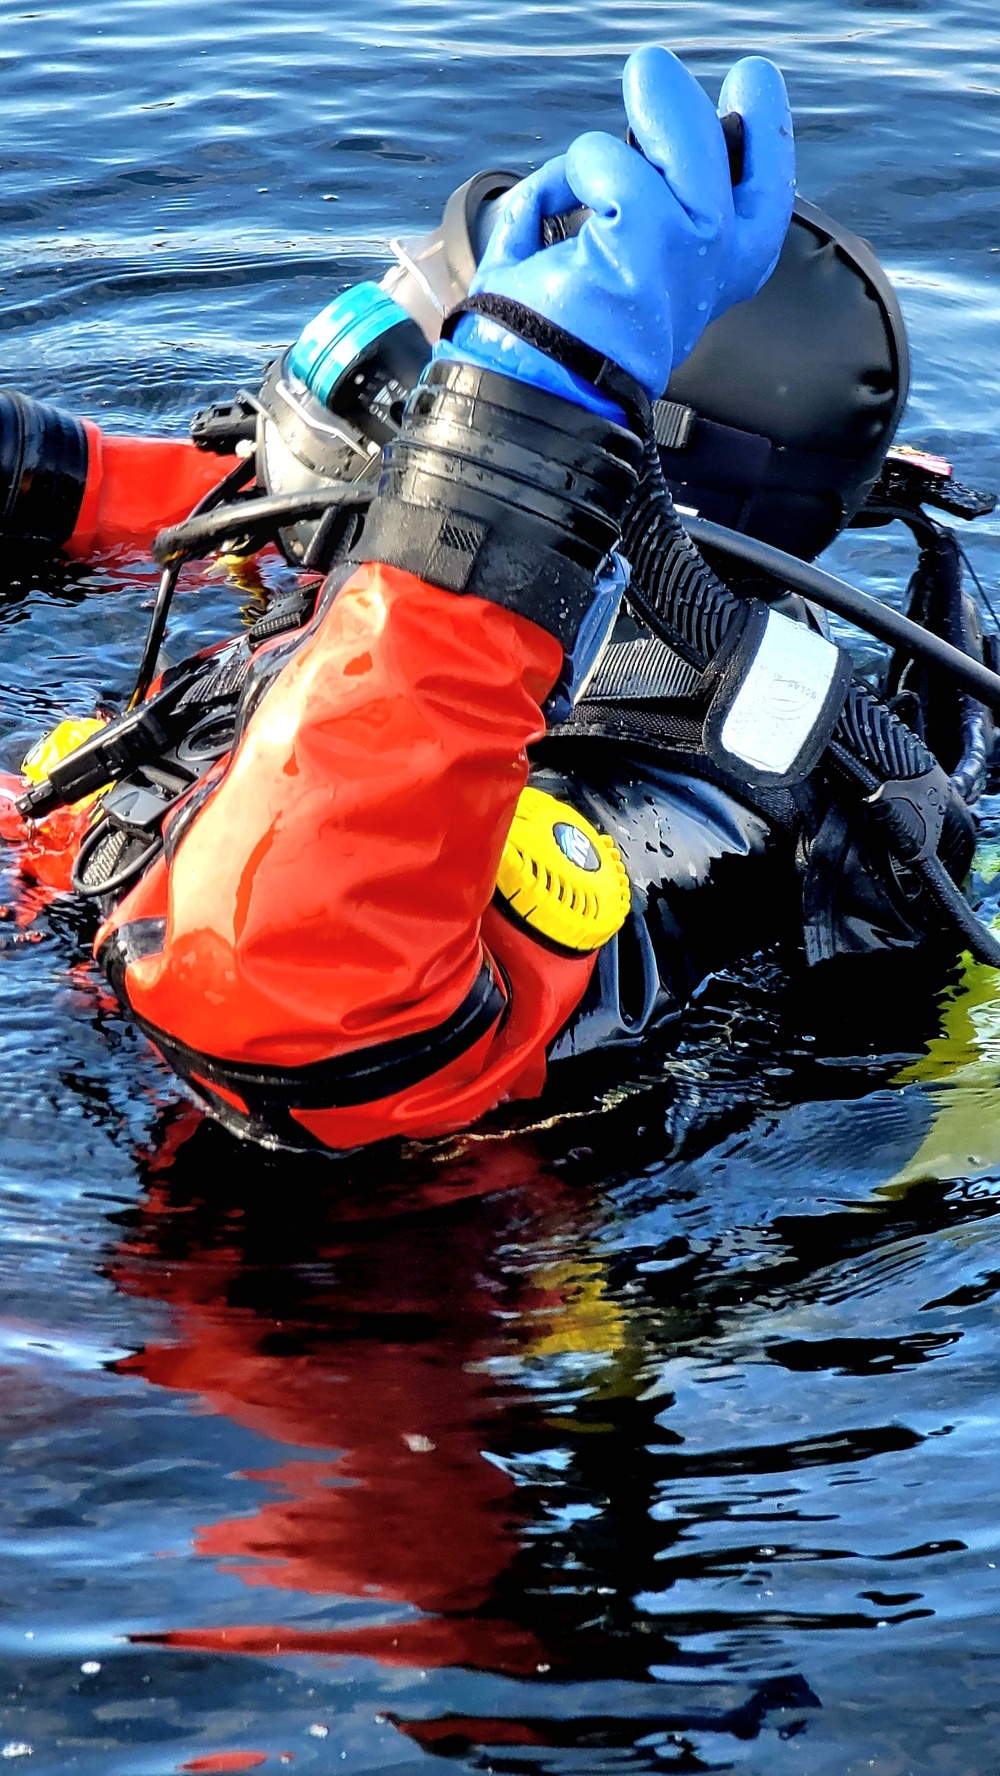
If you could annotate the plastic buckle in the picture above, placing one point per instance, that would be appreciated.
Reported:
(913, 478)
(219, 428)
(138, 808)
(592, 638)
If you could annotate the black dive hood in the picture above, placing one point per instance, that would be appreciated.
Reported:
(778, 423)
(789, 402)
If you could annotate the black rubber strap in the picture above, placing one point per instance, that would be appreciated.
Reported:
(564, 348)
(343, 1082)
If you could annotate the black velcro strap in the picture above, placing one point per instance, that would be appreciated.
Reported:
(343, 1082)
(564, 348)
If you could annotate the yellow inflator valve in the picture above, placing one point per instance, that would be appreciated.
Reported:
(560, 876)
(57, 745)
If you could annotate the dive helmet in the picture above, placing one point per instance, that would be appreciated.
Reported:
(779, 421)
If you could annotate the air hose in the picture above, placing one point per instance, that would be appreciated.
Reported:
(216, 496)
(856, 607)
(214, 521)
(675, 592)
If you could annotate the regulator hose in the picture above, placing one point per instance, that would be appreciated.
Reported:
(675, 592)
(253, 521)
(215, 520)
(855, 607)
(216, 496)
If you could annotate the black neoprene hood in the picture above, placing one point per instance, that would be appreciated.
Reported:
(799, 392)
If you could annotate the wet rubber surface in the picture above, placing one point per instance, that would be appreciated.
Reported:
(656, 1436)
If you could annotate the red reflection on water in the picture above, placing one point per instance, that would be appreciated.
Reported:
(230, 1760)
(44, 849)
(376, 1346)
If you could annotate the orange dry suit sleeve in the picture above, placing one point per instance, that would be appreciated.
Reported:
(316, 949)
(65, 482)
(329, 898)
(136, 486)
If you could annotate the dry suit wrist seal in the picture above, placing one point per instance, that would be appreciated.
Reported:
(44, 458)
(563, 348)
(502, 490)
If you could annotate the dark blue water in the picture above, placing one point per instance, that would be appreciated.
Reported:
(659, 1437)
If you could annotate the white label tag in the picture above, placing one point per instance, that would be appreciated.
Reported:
(778, 703)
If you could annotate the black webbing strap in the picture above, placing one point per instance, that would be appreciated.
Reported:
(563, 348)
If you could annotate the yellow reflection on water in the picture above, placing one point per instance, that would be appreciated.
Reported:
(961, 1073)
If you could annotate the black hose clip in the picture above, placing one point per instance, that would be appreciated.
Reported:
(914, 810)
(223, 426)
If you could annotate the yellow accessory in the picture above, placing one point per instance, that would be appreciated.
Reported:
(561, 876)
(242, 571)
(57, 745)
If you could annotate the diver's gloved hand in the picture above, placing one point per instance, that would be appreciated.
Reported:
(670, 243)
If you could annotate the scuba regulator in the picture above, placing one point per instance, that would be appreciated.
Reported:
(332, 402)
(335, 398)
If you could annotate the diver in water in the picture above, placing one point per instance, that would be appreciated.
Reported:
(521, 770)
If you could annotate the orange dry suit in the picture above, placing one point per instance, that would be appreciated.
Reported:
(351, 921)
(317, 949)
(65, 482)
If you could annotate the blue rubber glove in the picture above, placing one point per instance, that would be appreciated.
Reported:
(670, 243)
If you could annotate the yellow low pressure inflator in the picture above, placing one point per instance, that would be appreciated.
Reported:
(57, 745)
(560, 876)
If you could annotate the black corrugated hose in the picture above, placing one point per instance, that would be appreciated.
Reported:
(676, 593)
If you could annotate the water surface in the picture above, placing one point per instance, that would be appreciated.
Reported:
(660, 1438)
